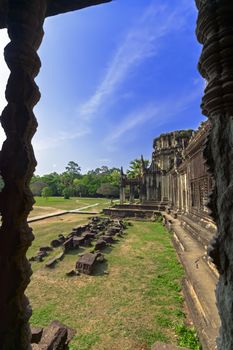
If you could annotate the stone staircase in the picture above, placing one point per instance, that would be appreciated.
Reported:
(199, 282)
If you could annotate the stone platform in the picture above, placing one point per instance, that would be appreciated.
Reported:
(145, 210)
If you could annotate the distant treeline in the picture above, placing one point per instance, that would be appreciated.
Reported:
(101, 182)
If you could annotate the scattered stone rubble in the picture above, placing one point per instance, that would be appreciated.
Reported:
(100, 232)
(86, 263)
(54, 337)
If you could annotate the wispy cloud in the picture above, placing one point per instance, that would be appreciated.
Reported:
(141, 42)
(43, 144)
(104, 160)
(159, 113)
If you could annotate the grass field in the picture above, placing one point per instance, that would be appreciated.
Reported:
(137, 303)
(44, 206)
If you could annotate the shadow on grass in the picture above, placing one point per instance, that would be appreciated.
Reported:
(100, 268)
(110, 247)
(75, 251)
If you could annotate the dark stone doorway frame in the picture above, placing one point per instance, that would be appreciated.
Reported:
(24, 21)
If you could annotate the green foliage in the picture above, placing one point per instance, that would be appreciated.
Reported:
(108, 190)
(73, 183)
(187, 337)
(1, 183)
(73, 169)
(67, 193)
(102, 181)
(136, 168)
(46, 192)
(37, 187)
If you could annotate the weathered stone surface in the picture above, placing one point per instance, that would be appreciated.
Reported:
(24, 21)
(107, 239)
(215, 32)
(45, 249)
(100, 244)
(72, 273)
(51, 263)
(55, 337)
(56, 243)
(68, 244)
(86, 263)
(59, 6)
(60, 256)
(36, 334)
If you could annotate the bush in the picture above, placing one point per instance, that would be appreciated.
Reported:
(67, 193)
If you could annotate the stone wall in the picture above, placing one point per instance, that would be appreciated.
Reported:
(178, 179)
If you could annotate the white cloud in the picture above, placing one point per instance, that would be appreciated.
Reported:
(142, 42)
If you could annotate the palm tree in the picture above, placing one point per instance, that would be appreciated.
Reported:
(136, 168)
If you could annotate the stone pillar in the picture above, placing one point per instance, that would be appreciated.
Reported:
(164, 188)
(131, 194)
(122, 194)
(215, 32)
(143, 190)
(17, 163)
(148, 187)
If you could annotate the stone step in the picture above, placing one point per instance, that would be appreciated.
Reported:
(201, 234)
(199, 285)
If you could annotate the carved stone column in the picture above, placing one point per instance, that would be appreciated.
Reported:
(131, 193)
(122, 194)
(215, 32)
(142, 189)
(17, 163)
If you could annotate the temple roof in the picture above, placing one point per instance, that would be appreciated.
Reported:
(55, 7)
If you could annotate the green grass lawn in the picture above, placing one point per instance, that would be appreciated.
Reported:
(44, 206)
(137, 303)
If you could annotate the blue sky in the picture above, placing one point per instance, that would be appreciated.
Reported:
(113, 77)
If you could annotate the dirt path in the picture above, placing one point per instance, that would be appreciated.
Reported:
(63, 212)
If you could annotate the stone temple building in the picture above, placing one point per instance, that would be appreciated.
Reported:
(177, 180)
(24, 20)
(177, 186)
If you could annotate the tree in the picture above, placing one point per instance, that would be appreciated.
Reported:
(67, 193)
(108, 190)
(73, 169)
(136, 168)
(46, 192)
(1, 183)
(80, 189)
(37, 187)
(53, 181)
(115, 177)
